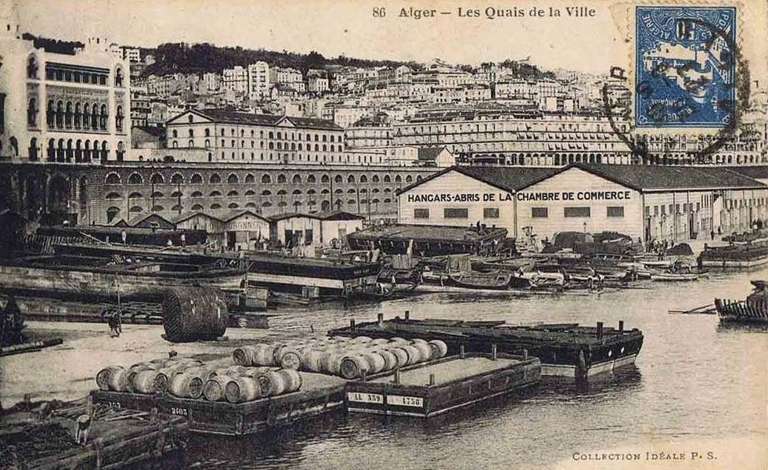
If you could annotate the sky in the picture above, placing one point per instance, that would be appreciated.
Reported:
(350, 27)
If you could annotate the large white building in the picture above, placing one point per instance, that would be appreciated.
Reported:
(234, 137)
(62, 107)
(644, 202)
(235, 79)
(258, 80)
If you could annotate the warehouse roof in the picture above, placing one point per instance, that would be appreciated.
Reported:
(756, 172)
(654, 178)
(644, 178)
(507, 178)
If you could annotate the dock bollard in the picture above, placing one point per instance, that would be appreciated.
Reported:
(493, 352)
(407, 314)
(380, 318)
(600, 330)
(397, 376)
(461, 351)
(431, 379)
(621, 326)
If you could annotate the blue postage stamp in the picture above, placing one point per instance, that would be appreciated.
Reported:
(685, 66)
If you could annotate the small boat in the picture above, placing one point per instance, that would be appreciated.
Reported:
(673, 277)
(498, 280)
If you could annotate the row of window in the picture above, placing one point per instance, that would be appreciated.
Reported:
(178, 178)
(536, 212)
(60, 115)
(271, 134)
(265, 193)
(52, 72)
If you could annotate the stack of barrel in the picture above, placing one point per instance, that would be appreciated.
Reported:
(155, 376)
(189, 378)
(350, 358)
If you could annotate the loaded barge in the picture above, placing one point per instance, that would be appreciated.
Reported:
(741, 256)
(565, 350)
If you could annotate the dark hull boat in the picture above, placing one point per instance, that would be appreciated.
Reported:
(734, 257)
(738, 311)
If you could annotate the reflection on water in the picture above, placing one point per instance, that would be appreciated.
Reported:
(693, 379)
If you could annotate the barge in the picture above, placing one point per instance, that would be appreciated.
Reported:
(565, 350)
(81, 277)
(433, 388)
(742, 256)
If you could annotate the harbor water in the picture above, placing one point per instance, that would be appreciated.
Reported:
(697, 387)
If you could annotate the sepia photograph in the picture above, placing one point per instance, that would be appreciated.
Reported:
(384, 234)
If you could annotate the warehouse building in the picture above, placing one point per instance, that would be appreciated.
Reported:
(644, 202)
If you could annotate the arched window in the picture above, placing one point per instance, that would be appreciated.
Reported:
(249, 179)
(250, 192)
(112, 178)
(363, 179)
(280, 178)
(175, 133)
(215, 179)
(215, 206)
(233, 193)
(95, 116)
(32, 112)
(135, 178)
(398, 179)
(135, 196)
(266, 192)
(265, 179)
(60, 114)
(86, 116)
(351, 179)
(408, 179)
(78, 115)
(215, 194)
(197, 194)
(387, 179)
(375, 178)
(177, 178)
(233, 205)
(32, 67)
(119, 119)
(197, 179)
(296, 179)
(118, 77)
(338, 179)
(157, 178)
(136, 209)
(112, 213)
(158, 194)
(311, 179)
(325, 179)
(197, 207)
(103, 117)
(233, 179)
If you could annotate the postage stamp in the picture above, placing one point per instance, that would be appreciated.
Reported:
(685, 66)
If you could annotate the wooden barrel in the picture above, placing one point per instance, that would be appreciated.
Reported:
(213, 390)
(390, 360)
(194, 313)
(376, 362)
(379, 341)
(425, 351)
(271, 383)
(418, 340)
(181, 385)
(148, 382)
(439, 348)
(354, 366)
(252, 372)
(361, 339)
(292, 380)
(263, 355)
(103, 376)
(118, 380)
(398, 340)
(241, 389)
(400, 355)
(331, 362)
(244, 356)
(414, 355)
(290, 358)
(312, 359)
